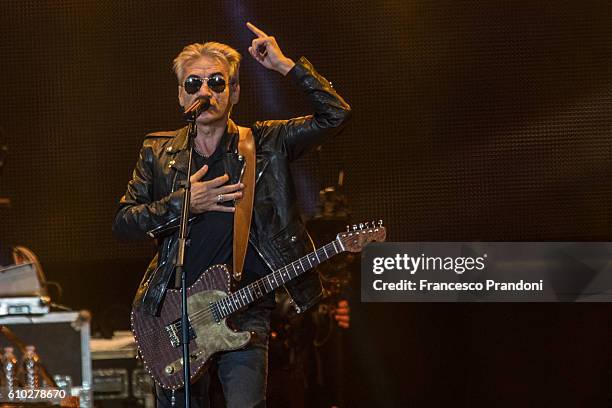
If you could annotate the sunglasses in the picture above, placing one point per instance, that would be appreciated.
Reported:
(215, 83)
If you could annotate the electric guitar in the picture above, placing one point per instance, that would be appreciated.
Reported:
(210, 302)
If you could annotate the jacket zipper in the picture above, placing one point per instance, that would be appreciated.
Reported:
(152, 232)
(168, 240)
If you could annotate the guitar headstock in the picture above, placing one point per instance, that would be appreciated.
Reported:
(355, 238)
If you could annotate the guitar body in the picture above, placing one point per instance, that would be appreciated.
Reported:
(210, 301)
(158, 338)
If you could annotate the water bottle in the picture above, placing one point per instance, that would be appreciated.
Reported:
(30, 368)
(9, 368)
(85, 396)
(63, 382)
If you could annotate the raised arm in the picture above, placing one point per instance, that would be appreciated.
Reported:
(331, 112)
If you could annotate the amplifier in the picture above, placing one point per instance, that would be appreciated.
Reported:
(31, 305)
(21, 291)
(119, 379)
(20, 280)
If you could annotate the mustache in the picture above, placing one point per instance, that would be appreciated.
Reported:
(207, 101)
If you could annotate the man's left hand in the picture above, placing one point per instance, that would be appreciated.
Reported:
(267, 52)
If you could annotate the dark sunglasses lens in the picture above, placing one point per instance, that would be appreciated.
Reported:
(216, 84)
(193, 84)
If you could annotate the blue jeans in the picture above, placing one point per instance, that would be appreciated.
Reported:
(242, 373)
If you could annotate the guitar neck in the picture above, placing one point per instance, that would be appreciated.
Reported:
(269, 283)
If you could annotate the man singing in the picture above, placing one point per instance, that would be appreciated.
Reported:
(152, 202)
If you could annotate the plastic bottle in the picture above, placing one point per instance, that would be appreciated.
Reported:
(30, 368)
(9, 368)
(85, 396)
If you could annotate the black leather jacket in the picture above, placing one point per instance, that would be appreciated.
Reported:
(152, 203)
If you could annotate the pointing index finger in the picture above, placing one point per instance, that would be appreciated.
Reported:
(256, 30)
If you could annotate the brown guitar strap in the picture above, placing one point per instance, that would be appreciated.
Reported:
(244, 206)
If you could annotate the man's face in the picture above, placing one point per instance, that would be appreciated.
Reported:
(220, 102)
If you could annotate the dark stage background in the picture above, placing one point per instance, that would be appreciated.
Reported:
(478, 120)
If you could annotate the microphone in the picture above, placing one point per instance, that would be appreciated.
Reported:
(193, 111)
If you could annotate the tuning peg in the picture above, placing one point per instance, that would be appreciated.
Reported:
(380, 223)
(367, 225)
(348, 228)
(361, 226)
(354, 227)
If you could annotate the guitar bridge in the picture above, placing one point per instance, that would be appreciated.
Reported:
(174, 332)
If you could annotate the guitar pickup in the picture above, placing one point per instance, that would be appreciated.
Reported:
(174, 332)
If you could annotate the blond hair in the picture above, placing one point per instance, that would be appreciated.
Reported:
(218, 51)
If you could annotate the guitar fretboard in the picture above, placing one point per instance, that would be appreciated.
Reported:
(261, 287)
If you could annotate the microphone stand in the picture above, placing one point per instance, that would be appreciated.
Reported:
(180, 259)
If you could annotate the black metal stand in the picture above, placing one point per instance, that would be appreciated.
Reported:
(180, 262)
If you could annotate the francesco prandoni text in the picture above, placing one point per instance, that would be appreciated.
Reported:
(459, 265)
(489, 284)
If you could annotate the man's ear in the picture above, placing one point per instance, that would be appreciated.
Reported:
(234, 93)
(180, 97)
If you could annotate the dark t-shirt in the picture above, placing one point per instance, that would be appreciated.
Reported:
(211, 234)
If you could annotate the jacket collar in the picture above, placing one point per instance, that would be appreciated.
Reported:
(178, 146)
(229, 139)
